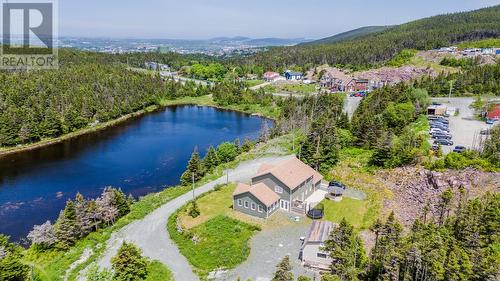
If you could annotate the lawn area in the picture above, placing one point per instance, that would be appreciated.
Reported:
(354, 211)
(158, 272)
(299, 88)
(215, 203)
(253, 83)
(353, 171)
(219, 243)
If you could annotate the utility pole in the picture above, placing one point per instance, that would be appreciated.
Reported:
(451, 88)
(227, 176)
(192, 178)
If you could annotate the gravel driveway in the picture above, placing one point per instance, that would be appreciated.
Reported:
(351, 105)
(151, 235)
(464, 127)
(268, 248)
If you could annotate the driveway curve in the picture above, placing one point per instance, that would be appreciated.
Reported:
(151, 235)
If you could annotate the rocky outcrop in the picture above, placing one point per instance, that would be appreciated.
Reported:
(414, 188)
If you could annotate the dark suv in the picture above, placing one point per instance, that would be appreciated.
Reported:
(459, 149)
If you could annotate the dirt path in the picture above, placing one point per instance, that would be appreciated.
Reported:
(151, 235)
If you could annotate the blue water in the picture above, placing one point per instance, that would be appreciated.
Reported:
(141, 156)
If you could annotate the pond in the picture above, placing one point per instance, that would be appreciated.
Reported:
(140, 156)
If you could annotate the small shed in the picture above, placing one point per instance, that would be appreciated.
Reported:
(312, 253)
(436, 109)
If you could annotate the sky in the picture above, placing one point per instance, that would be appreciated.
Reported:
(203, 19)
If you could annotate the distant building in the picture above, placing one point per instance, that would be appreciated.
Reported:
(356, 85)
(493, 113)
(312, 254)
(271, 76)
(156, 66)
(436, 109)
(292, 75)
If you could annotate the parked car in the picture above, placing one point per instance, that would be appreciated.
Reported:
(336, 184)
(441, 127)
(436, 130)
(459, 149)
(435, 147)
(441, 136)
(439, 123)
(490, 121)
(443, 142)
(485, 132)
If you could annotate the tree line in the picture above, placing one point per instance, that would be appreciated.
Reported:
(376, 48)
(473, 79)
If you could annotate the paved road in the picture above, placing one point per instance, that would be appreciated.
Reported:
(151, 235)
(256, 87)
(351, 105)
(464, 127)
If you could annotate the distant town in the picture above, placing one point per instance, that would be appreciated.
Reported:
(223, 46)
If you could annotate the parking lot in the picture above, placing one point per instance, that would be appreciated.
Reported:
(464, 127)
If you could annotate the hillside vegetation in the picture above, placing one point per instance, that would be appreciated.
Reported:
(348, 35)
(373, 49)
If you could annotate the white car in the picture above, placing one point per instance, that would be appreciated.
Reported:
(436, 130)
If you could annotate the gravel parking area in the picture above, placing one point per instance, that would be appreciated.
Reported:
(464, 128)
(268, 248)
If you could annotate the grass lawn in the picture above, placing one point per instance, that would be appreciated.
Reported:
(157, 271)
(300, 88)
(253, 83)
(211, 205)
(354, 211)
(353, 171)
(219, 243)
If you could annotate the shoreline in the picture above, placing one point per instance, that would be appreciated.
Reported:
(195, 101)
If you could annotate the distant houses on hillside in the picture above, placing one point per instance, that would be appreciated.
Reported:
(294, 75)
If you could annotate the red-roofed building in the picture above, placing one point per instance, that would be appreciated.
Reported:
(494, 113)
(271, 76)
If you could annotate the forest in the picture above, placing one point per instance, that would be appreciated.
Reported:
(474, 79)
(376, 48)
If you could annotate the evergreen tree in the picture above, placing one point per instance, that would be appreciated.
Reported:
(211, 159)
(194, 167)
(66, 227)
(128, 264)
(346, 250)
(11, 265)
(283, 270)
(385, 257)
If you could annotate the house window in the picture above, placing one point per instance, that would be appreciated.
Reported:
(246, 204)
(261, 209)
(321, 255)
(278, 189)
(253, 206)
(240, 203)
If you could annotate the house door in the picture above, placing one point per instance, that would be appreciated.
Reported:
(285, 205)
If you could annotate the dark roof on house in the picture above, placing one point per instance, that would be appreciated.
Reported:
(294, 73)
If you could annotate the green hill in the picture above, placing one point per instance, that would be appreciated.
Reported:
(379, 47)
(348, 35)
